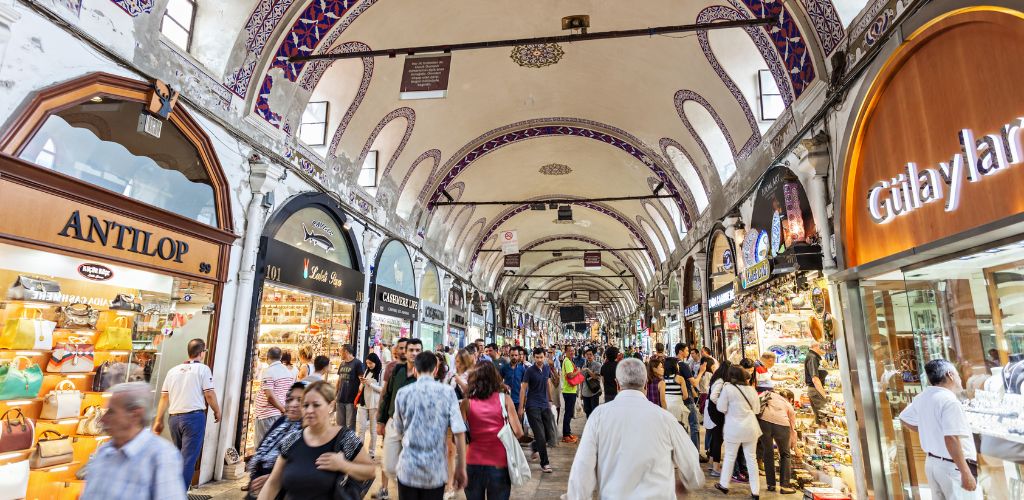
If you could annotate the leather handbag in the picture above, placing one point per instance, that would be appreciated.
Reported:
(51, 449)
(90, 425)
(14, 480)
(78, 316)
(28, 333)
(17, 432)
(518, 466)
(64, 401)
(34, 289)
(73, 356)
(116, 337)
(103, 378)
(125, 302)
(19, 383)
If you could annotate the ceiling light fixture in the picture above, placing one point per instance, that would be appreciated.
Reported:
(565, 214)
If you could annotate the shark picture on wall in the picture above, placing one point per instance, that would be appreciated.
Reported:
(317, 240)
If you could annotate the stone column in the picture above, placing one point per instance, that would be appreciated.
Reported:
(419, 268)
(371, 242)
(447, 280)
(264, 177)
(812, 170)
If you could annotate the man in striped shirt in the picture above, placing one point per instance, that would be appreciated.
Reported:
(274, 385)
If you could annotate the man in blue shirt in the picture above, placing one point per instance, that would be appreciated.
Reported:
(534, 400)
(513, 373)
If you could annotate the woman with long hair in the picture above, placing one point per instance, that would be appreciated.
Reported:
(460, 380)
(713, 419)
(656, 381)
(267, 451)
(308, 467)
(305, 362)
(740, 404)
(369, 401)
(487, 466)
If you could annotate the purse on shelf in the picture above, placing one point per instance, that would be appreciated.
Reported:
(17, 432)
(90, 425)
(78, 316)
(19, 383)
(34, 289)
(28, 333)
(14, 480)
(64, 401)
(75, 355)
(125, 302)
(51, 451)
(116, 337)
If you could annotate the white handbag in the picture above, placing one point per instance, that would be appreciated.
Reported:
(44, 334)
(90, 425)
(518, 467)
(64, 401)
(14, 480)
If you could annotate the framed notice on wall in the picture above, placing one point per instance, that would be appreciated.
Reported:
(425, 77)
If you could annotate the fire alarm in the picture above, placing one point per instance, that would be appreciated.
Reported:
(577, 22)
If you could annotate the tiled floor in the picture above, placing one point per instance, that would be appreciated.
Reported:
(541, 487)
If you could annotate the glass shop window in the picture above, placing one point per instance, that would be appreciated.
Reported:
(313, 129)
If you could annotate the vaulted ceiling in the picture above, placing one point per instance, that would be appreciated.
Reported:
(597, 119)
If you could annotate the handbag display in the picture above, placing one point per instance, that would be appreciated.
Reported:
(90, 425)
(28, 333)
(64, 401)
(78, 316)
(34, 289)
(14, 480)
(518, 467)
(17, 432)
(124, 302)
(51, 451)
(116, 337)
(103, 378)
(72, 356)
(20, 383)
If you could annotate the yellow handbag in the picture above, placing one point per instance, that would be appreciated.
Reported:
(116, 337)
(22, 333)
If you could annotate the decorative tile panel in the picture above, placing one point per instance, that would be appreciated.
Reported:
(827, 24)
(134, 8)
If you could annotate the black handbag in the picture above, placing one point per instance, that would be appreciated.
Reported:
(125, 303)
(346, 488)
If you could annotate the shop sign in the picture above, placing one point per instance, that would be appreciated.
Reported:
(458, 319)
(919, 172)
(95, 272)
(291, 266)
(691, 310)
(476, 321)
(512, 261)
(721, 298)
(431, 313)
(391, 302)
(756, 274)
(66, 224)
(781, 216)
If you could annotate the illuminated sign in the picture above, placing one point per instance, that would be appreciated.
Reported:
(756, 274)
(691, 310)
(722, 298)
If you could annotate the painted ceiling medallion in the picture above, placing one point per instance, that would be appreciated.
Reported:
(555, 169)
(537, 55)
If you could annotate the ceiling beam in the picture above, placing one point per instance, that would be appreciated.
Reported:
(573, 276)
(513, 42)
(564, 250)
(562, 201)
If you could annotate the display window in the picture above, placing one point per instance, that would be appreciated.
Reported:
(432, 313)
(726, 330)
(395, 306)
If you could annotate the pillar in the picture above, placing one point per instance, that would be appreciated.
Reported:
(446, 288)
(264, 177)
(812, 169)
(371, 242)
(419, 268)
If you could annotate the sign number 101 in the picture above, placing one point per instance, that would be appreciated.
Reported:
(274, 273)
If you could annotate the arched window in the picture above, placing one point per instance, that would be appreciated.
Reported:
(737, 54)
(659, 220)
(690, 176)
(714, 140)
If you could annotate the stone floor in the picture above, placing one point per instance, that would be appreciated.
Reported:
(541, 487)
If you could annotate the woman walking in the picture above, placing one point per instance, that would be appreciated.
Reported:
(714, 419)
(779, 426)
(369, 401)
(487, 466)
(740, 404)
(674, 387)
(262, 462)
(308, 467)
(656, 382)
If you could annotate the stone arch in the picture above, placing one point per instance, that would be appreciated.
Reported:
(692, 176)
(407, 198)
(410, 121)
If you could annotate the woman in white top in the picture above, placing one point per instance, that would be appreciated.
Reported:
(305, 362)
(740, 404)
(370, 400)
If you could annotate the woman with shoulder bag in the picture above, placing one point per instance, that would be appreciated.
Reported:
(740, 404)
(714, 419)
(324, 461)
(262, 462)
(487, 462)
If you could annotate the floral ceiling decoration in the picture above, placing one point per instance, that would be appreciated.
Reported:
(537, 55)
(555, 169)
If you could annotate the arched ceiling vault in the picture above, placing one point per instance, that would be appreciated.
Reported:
(595, 119)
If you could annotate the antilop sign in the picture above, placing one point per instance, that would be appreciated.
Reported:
(938, 145)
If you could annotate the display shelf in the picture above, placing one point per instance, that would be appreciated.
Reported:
(15, 455)
(279, 325)
(58, 468)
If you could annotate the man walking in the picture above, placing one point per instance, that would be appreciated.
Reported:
(814, 377)
(937, 415)
(590, 389)
(533, 400)
(135, 463)
(424, 412)
(350, 373)
(569, 393)
(689, 389)
(187, 391)
(274, 384)
(512, 374)
(402, 375)
(649, 437)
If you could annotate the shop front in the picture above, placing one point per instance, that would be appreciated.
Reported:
(113, 254)
(457, 320)
(492, 334)
(394, 304)
(727, 339)
(933, 225)
(476, 325)
(307, 288)
(693, 320)
(431, 311)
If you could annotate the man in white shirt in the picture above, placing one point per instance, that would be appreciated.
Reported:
(936, 414)
(188, 389)
(649, 436)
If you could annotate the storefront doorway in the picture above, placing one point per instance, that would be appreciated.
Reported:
(727, 340)
(394, 305)
(432, 313)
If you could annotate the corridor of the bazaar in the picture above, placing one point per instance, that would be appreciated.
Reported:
(495, 249)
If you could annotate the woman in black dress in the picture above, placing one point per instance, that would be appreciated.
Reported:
(308, 467)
